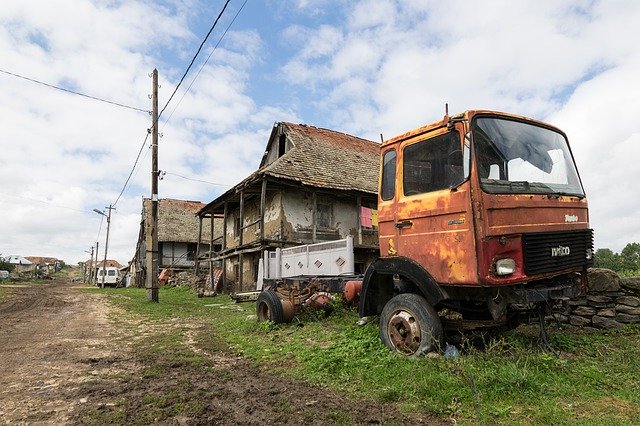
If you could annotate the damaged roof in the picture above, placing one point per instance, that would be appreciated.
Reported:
(323, 158)
(177, 220)
(314, 157)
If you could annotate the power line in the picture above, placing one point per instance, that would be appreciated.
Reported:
(164, 172)
(176, 89)
(99, 229)
(170, 98)
(95, 98)
(144, 142)
(194, 57)
(45, 202)
(206, 61)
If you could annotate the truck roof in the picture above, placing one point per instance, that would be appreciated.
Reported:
(463, 115)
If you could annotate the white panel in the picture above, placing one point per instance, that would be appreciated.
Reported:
(323, 259)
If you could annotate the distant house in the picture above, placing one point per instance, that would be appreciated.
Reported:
(20, 264)
(178, 230)
(312, 185)
(45, 265)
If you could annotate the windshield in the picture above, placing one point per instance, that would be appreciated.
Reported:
(515, 157)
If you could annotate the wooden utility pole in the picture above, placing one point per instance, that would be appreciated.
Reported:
(94, 273)
(87, 273)
(152, 226)
(106, 246)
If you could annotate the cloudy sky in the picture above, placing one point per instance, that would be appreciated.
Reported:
(360, 67)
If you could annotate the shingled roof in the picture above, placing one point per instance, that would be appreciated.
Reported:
(325, 158)
(177, 221)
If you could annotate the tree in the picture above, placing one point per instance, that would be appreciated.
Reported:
(630, 257)
(605, 258)
(5, 265)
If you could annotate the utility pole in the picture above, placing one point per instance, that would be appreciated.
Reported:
(152, 226)
(106, 245)
(87, 271)
(94, 277)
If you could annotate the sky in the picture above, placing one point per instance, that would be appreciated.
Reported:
(365, 68)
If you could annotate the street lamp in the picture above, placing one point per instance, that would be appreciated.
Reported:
(106, 244)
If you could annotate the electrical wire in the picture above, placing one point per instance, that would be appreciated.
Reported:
(194, 58)
(95, 98)
(144, 142)
(205, 62)
(163, 172)
(171, 97)
(44, 202)
(100, 228)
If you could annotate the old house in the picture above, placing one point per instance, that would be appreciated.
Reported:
(312, 185)
(45, 265)
(20, 263)
(178, 230)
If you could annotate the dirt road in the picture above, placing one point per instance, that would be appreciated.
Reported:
(62, 360)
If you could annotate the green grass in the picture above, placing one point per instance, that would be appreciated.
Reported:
(511, 381)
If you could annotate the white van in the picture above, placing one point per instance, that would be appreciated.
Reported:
(110, 275)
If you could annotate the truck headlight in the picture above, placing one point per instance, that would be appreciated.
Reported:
(505, 266)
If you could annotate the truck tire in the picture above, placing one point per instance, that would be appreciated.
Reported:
(410, 326)
(270, 307)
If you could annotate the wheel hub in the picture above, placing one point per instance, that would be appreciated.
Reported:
(404, 332)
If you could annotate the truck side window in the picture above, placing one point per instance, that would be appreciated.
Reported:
(433, 164)
(388, 187)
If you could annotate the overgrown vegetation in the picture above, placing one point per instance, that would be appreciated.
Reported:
(507, 379)
(626, 263)
(5, 265)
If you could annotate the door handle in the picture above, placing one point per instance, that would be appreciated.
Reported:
(404, 224)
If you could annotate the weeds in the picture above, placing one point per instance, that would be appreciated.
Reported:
(498, 379)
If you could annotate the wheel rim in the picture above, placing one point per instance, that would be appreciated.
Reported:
(404, 332)
(264, 313)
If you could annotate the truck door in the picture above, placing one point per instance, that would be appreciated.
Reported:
(434, 221)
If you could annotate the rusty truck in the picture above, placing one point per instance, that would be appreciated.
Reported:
(481, 216)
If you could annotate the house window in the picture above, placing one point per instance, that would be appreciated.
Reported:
(323, 215)
(368, 218)
(282, 145)
(236, 227)
(191, 252)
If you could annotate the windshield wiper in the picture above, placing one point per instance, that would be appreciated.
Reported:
(558, 194)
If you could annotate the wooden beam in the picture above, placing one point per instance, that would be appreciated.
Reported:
(198, 245)
(263, 202)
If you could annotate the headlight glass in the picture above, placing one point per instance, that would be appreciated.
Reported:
(505, 266)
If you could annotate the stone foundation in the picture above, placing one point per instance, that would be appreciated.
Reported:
(610, 302)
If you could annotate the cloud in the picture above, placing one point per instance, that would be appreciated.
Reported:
(395, 65)
(70, 155)
(364, 67)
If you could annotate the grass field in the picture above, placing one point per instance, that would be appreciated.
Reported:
(508, 379)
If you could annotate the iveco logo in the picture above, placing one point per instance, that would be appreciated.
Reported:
(570, 218)
(560, 251)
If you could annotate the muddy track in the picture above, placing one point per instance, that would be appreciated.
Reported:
(63, 361)
(47, 332)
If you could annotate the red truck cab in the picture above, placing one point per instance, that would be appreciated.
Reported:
(478, 213)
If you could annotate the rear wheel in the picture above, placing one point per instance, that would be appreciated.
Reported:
(270, 307)
(410, 326)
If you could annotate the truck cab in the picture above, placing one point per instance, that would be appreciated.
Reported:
(478, 213)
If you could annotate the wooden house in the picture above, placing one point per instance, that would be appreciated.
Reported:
(312, 185)
(178, 230)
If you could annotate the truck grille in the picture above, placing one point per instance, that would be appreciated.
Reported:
(555, 251)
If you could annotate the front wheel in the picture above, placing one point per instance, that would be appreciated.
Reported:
(410, 326)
